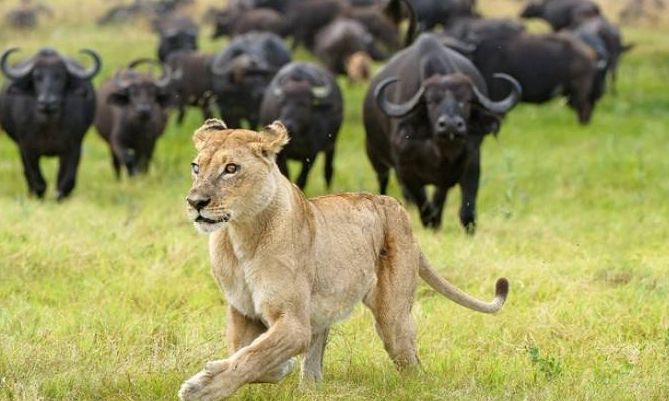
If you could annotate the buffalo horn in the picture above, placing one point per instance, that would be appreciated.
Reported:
(392, 109)
(505, 105)
(14, 73)
(82, 73)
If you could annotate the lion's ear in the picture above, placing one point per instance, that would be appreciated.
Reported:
(202, 134)
(275, 137)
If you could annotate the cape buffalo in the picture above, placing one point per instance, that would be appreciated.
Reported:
(429, 126)
(561, 14)
(345, 47)
(124, 12)
(192, 82)
(46, 107)
(431, 13)
(307, 100)
(229, 23)
(606, 40)
(545, 65)
(242, 71)
(25, 15)
(132, 114)
(305, 18)
(472, 30)
(176, 34)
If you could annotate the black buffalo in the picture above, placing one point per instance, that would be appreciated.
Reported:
(192, 82)
(426, 115)
(304, 19)
(606, 40)
(233, 23)
(345, 47)
(472, 30)
(132, 114)
(124, 12)
(546, 66)
(46, 107)
(25, 16)
(306, 99)
(431, 13)
(176, 34)
(241, 73)
(561, 14)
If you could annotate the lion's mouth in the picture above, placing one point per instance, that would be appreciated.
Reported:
(202, 219)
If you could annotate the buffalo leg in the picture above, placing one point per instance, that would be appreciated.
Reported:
(383, 181)
(306, 167)
(282, 163)
(33, 174)
(329, 170)
(414, 192)
(438, 201)
(382, 171)
(207, 113)
(469, 185)
(116, 163)
(67, 171)
(182, 114)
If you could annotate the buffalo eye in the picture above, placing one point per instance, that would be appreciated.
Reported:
(230, 168)
(196, 168)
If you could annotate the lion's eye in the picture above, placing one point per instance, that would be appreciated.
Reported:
(231, 168)
(196, 168)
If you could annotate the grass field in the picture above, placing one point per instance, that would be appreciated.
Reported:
(108, 296)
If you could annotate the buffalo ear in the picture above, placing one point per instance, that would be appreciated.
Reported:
(483, 122)
(202, 135)
(275, 138)
(118, 99)
(19, 87)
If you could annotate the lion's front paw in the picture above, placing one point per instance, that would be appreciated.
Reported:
(192, 388)
(204, 386)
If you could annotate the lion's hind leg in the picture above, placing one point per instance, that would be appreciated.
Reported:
(392, 298)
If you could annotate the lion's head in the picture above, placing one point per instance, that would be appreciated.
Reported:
(234, 174)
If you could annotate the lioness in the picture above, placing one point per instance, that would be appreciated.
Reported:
(291, 267)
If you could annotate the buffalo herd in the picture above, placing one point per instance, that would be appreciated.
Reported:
(449, 78)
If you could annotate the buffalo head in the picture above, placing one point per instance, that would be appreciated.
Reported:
(246, 72)
(48, 76)
(453, 104)
(177, 34)
(298, 100)
(533, 9)
(141, 94)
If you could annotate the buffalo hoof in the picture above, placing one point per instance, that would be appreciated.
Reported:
(430, 216)
(470, 228)
(60, 196)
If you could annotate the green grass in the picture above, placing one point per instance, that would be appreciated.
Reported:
(108, 296)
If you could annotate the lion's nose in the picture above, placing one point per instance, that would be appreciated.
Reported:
(198, 202)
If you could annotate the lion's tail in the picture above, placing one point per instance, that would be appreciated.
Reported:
(456, 295)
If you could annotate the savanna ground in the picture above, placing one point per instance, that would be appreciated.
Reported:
(108, 296)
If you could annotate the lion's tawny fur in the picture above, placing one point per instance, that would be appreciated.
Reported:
(291, 267)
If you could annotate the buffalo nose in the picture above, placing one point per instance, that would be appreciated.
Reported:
(460, 125)
(450, 124)
(442, 123)
(143, 111)
(198, 202)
